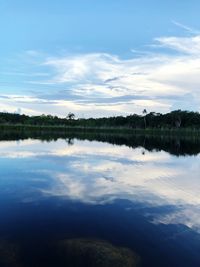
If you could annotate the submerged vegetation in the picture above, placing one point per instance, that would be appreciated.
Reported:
(69, 252)
(95, 253)
(174, 120)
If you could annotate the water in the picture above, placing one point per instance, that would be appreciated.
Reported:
(140, 193)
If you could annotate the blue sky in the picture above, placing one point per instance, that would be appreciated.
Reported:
(99, 58)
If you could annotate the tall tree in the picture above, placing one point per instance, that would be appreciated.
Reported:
(145, 122)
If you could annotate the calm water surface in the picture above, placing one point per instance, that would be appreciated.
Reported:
(147, 201)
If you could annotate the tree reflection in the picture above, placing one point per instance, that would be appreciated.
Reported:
(176, 145)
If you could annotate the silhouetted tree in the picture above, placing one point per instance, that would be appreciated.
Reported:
(70, 116)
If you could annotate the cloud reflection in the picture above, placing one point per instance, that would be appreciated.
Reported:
(100, 173)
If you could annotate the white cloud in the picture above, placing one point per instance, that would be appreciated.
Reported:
(156, 78)
(101, 84)
(189, 45)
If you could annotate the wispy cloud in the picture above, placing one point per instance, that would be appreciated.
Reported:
(185, 27)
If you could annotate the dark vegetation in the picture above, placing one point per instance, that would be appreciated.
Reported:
(173, 120)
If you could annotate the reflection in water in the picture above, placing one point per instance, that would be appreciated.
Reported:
(132, 196)
(176, 145)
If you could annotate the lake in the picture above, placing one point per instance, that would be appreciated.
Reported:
(63, 195)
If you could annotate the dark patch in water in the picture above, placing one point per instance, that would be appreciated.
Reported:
(9, 254)
(69, 252)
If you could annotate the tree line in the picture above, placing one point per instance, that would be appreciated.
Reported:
(174, 119)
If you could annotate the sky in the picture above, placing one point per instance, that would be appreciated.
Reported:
(99, 58)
